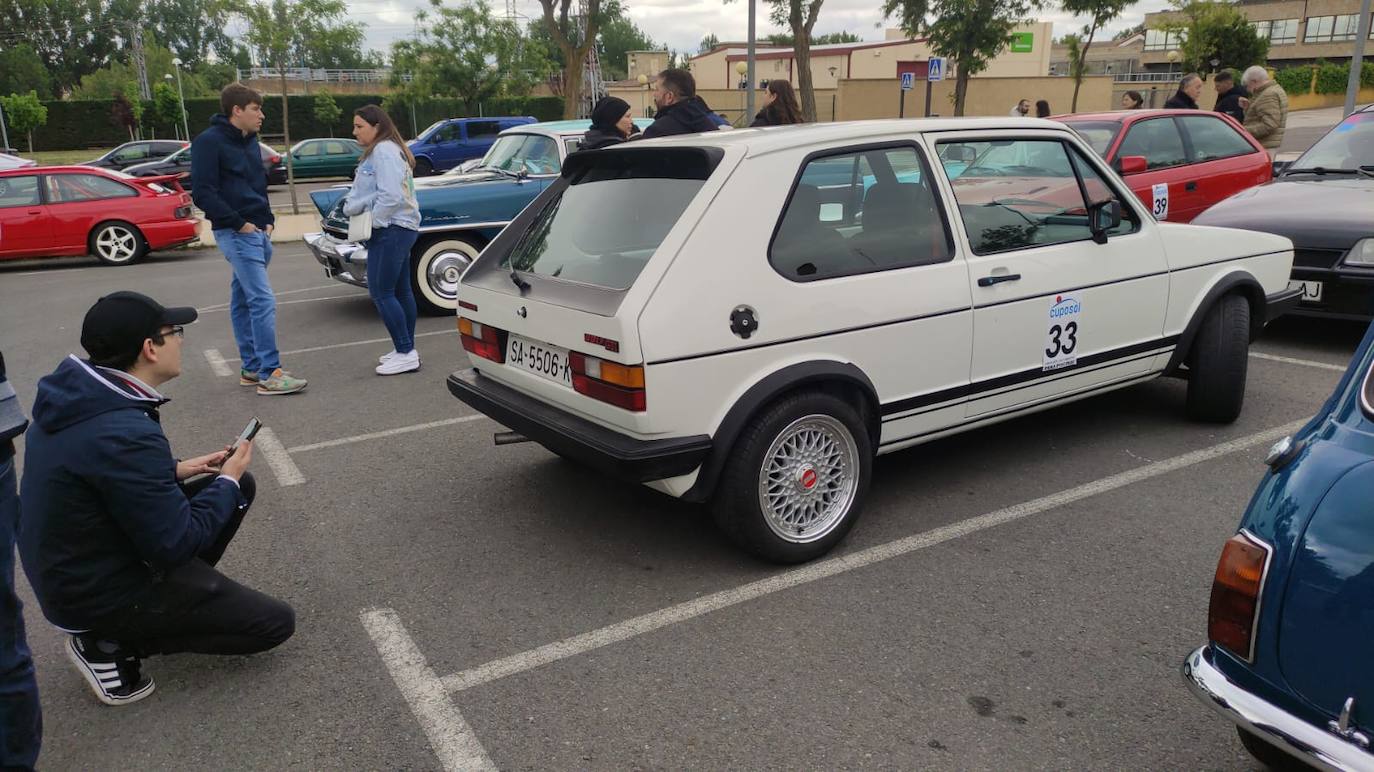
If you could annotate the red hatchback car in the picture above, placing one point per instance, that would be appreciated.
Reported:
(1178, 162)
(49, 211)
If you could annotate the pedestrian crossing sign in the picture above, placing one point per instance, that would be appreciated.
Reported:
(935, 69)
(908, 80)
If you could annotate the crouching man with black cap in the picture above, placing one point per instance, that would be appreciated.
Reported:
(117, 540)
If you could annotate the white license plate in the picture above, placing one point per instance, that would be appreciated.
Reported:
(547, 362)
(1311, 290)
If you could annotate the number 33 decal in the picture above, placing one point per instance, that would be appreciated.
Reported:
(1063, 339)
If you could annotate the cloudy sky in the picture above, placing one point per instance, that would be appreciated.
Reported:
(681, 24)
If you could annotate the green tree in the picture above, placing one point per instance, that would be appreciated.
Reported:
(1215, 30)
(619, 36)
(967, 32)
(327, 110)
(573, 38)
(786, 39)
(1099, 13)
(707, 43)
(21, 71)
(120, 75)
(166, 108)
(71, 38)
(24, 113)
(126, 114)
(192, 29)
(469, 53)
(1130, 32)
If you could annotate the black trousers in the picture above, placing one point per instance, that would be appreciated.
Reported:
(195, 608)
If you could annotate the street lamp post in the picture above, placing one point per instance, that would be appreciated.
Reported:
(181, 95)
(1173, 57)
(643, 89)
(745, 87)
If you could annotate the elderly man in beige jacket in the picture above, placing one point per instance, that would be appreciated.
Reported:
(1266, 111)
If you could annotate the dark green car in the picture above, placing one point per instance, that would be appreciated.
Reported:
(325, 158)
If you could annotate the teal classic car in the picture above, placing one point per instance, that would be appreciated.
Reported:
(325, 158)
(460, 211)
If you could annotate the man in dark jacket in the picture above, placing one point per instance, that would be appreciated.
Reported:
(1189, 89)
(231, 188)
(21, 721)
(679, 110)
(1229, 94)
(118, 542)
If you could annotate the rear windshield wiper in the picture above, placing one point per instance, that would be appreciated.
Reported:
(519, 282)
(1321, 170)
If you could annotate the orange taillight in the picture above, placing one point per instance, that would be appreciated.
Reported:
(1234, 606)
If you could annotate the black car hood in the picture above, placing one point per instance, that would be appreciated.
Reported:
(1315, 214)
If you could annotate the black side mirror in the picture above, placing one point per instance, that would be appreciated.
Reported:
(1102, 218)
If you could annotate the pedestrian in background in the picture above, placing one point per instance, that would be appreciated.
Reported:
(780, 106)
(1022, 109)
(231, 188)
(1042, 109)
(1132, 100)
(385, 187)
(1229, 94)
(1266, 110)
(1189, 89)
(21, 720)
(612, 123)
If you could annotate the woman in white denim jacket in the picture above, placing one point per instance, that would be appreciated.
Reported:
(385, 185)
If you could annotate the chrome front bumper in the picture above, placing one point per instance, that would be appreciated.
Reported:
(1315, 746)
(344, 261)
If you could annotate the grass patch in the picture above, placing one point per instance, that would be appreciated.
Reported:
(64, 157)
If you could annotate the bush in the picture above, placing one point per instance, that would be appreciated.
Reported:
(1367, 75)
(75, 125)
(1295, 80)
(1332, 78)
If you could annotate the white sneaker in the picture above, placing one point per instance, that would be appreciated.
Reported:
(388, 355)
(401, 363)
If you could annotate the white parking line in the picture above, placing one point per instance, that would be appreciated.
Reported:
(631, 628)
(367, 342)
(1303, 362)
(218, 364)
(387, 433)
(278, 458)
(450, 736)
(223, 306)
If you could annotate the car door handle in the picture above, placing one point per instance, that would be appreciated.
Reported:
(988, 281)
(1190, 186)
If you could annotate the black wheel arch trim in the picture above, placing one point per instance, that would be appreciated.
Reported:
(1240, 281)
(764, 392)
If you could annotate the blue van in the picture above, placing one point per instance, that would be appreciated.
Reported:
(450, 142)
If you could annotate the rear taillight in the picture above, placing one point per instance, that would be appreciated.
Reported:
(182, 212)
(609, 382)
(1234, 608)
(481, 340)
(276, 159)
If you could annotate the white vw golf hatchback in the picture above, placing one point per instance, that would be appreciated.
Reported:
(749, 317)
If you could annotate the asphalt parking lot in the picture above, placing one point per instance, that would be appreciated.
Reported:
(1019, 597)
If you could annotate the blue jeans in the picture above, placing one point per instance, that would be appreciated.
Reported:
(388, 282)
(252, 306)
(21, 721)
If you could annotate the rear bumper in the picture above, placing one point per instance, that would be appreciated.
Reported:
(342, 260)
(1314, 745)
(172, 233)
(577, 438)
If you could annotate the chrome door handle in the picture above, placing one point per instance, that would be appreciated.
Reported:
(988, 281)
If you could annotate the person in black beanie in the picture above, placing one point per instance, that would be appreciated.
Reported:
(612, 123)
(21, 720)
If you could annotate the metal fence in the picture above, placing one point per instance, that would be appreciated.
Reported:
(316, 75)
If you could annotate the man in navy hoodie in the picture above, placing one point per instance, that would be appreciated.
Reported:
(21, 721)
(117, 540)
(231, 188)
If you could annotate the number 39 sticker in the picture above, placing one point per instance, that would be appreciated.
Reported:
(1061, 343)
(1160, 194)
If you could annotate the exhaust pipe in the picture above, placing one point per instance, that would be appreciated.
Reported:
(509, 438)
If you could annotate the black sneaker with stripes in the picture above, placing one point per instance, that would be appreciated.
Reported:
(113, 675)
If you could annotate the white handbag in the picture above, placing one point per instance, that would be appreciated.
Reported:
(360, 227)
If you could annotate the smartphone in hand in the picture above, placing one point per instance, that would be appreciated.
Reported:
(249, 432)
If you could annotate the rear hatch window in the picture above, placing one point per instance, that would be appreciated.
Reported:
(609, 215)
